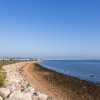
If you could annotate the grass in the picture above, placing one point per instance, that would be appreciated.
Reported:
(2, 73)
(2, 63)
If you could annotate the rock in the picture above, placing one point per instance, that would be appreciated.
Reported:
(12, 87)
(35, 98)
(1, 98)
(42, 96)
(17, 87)
(4, 91)
(18, 95)
(29, 89)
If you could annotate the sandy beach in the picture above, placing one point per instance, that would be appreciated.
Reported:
(59, 86)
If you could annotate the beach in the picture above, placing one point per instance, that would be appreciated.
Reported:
(31, 81)
(59, 86)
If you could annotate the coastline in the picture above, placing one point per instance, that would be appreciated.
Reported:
(31, 81)
(59, 86)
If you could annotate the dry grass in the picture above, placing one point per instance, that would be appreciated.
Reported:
(2, 73)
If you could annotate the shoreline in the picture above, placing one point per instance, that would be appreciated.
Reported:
(31, 81)
(67, 75)
(60, 86)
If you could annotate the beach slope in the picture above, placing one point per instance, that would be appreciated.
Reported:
(59, 86)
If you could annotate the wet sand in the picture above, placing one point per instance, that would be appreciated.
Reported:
(59, 86)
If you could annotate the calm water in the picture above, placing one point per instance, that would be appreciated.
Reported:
(85, 70)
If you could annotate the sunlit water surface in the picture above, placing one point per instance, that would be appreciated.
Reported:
(85, 70)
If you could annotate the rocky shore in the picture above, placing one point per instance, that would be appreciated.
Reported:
(17, 87)
(31, 81)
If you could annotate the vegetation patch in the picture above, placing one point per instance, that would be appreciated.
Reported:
(2, 76)
(2, 72)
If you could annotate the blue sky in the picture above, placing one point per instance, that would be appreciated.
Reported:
(50, 29)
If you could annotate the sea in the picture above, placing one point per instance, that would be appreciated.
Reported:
(83, 69)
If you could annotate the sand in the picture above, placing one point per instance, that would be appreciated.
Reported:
(59, 86)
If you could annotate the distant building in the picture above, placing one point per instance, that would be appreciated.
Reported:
(6, 59)
(23, 59)
(17, 59)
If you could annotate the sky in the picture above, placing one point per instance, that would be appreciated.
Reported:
(50, 29)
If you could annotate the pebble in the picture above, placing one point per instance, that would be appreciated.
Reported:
(5, 91)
